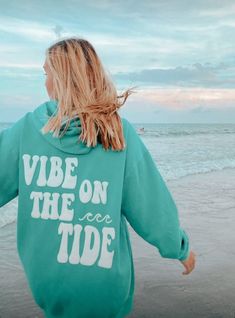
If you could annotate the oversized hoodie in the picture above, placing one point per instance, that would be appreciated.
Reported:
(74, 202)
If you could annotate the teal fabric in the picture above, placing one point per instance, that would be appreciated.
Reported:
(74, 202)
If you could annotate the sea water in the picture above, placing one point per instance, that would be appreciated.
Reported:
(177, 149)
(184, 149)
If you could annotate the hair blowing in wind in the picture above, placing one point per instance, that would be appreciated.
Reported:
(83, 89)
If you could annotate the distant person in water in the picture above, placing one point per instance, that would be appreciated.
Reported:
(140, 130)
(81, 172)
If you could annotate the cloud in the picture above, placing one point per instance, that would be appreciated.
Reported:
(219, 11)
(195, 75)
(5, 66)
(195, 99)
(199, 109)
(29, 29)
(57, 30)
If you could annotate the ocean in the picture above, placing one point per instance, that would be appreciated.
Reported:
(177, 149)
(184, 149)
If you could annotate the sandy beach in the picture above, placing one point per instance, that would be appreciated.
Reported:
(206, 204)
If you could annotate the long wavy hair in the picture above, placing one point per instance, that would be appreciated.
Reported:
(83, 89)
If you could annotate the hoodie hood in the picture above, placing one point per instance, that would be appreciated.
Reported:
(70, 142)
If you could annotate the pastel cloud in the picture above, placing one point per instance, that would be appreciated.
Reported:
(184, 98)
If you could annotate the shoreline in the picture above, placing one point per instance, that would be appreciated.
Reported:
(171, 182)
(227, 169)
(206, 203)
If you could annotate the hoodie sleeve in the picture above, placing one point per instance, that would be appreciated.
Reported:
(147, 203)
(9, 161)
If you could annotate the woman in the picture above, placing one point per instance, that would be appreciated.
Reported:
(81, 172)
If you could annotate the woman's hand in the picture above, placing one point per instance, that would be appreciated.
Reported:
(189, 263)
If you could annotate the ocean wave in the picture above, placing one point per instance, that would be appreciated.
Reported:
(190, 172)
(184, 133)
(5, 222)
(7, 218)
(8, 213)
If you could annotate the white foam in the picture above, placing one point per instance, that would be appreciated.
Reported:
(8, 213)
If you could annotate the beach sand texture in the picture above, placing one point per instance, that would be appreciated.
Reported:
(206, 204)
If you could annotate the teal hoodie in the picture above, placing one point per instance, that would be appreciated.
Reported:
(74, 202)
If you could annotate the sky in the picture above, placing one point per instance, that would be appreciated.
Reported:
(180, 55)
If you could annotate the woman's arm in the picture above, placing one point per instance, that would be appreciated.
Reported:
(151, 211)
(9, 161)
(148, 204)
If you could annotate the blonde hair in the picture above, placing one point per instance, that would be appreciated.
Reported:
(83, 89)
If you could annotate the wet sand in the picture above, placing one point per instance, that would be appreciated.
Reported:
(206, 204)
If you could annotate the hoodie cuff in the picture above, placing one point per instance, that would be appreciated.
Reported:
(185, 251)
